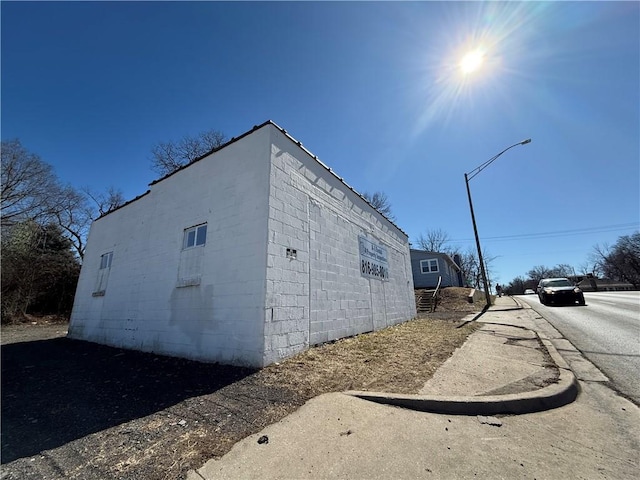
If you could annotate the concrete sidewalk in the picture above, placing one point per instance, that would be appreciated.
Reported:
(462, 423)
(503, 368)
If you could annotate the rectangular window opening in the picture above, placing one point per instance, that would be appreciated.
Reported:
(105, 260)
(195, 236)
(103, 274)
(429, 266)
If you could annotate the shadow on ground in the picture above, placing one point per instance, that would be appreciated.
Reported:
(55, 391)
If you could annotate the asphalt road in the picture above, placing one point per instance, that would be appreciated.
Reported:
(606, 331)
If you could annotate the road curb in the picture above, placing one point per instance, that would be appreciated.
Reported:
(558, 394)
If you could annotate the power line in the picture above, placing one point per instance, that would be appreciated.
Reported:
(557, 233)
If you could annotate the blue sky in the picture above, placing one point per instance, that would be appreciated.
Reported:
(373, 89)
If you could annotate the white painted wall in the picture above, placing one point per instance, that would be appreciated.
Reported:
(240, 299)
(321, 295)
(220, 319)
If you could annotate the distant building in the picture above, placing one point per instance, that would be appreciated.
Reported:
(427, 267)
(246, 256)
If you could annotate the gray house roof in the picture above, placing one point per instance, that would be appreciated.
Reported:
(427, 254)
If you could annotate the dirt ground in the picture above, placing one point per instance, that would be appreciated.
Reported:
(78, 410)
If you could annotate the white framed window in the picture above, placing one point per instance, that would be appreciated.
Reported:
(429, 266)
(195, 236)
(105, 260)
(103, 274)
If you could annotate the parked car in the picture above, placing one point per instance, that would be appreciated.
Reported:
(529, 291)
(559, 291)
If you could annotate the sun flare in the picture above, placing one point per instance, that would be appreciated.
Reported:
(472, 61)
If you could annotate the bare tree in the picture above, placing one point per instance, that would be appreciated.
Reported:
(470, 266)
(78, 209)
(517, 286)
(539, 272)
(30, 189)
(167, 157)
(380, 202)
(563, 270)
(598, 257)
(44, 230)
(434, 241)
(106, 201)
(468, 263)
(622, 260)
(74, 216)
(588, 268)
(212, 139)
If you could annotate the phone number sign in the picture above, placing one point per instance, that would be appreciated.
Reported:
(373, 259)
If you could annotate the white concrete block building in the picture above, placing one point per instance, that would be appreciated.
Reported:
(246, 256)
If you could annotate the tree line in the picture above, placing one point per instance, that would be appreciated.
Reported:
(619, 262)
(44, 229)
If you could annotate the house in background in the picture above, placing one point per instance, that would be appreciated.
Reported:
(246, 256)
(428, 267)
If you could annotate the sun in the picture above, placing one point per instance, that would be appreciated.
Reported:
(472, 61)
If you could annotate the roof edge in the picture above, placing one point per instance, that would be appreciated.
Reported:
(445, 255)
(249, 132)
(124, 204)
(224, 145)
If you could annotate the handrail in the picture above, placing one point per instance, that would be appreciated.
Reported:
(435, 292)
(424, 302)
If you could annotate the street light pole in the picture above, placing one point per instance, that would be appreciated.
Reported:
(467, 177)
(475, 232)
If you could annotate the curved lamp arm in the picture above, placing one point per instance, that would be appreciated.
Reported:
(477, 170)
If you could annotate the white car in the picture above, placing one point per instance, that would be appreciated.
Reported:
(528, 291)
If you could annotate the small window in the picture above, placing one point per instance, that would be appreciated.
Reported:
(103, 274)
(105, 260)
(429, 266)
(195, 236)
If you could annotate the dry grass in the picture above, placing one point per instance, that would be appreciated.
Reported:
(398, 359)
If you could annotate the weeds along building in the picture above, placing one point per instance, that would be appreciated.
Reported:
(246, 256)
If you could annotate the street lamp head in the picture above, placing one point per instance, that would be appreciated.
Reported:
(524, 142)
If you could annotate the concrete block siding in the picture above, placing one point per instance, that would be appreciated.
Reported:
(321, 218)
(280, 269)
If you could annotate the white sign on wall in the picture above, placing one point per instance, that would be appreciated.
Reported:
(373, 259)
